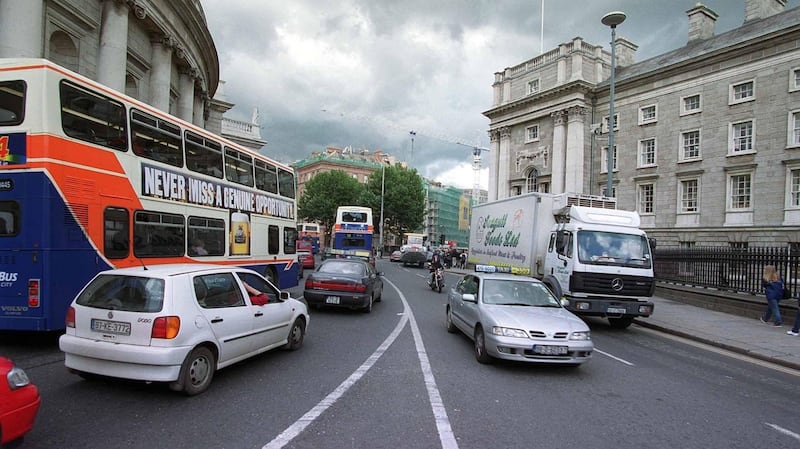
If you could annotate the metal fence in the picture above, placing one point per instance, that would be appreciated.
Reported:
(727, 269)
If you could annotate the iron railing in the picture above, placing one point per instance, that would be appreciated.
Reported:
(727, 269)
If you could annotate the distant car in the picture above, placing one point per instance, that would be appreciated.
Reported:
(306, 259)
(395, 256)
(19, 402)
(350, 283)
(177, 323)
(414, 255)
(516, 317)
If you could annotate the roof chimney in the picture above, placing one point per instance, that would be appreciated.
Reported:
(625, 52)
(701, 22)
(761, 9)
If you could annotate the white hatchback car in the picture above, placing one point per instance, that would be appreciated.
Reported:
(177, 323)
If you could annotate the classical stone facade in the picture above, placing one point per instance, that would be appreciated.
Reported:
(707, 136)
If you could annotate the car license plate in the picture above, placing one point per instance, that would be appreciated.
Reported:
(550, 350)
(111, 327)
(616, 310)
(332, 300)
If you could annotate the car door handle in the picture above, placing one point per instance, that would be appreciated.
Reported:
(259, 313)
(216, 320)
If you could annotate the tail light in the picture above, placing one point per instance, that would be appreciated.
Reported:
(166, 327)
(33, 292)
(70, 320)
(341, 286)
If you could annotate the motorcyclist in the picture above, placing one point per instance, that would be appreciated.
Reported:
(436, 262)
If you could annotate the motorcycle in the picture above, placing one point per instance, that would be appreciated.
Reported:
(437, 283)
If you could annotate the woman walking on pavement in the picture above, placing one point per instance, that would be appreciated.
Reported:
(773, 286)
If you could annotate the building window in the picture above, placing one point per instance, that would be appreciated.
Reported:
(645, 194)
(691, 104)
(794, 129)
(794, 188)
(739, 191)
(688, 195)
(689, 145)
(604, 160)
(794, 79)
(603, 191)
(741, 92)
(742, 135)
(533, 86)
(532, 134)
(647, 114)
(616, 123)
(647, 153)
(530, 180)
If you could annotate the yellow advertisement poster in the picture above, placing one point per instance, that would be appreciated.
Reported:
(240, 234)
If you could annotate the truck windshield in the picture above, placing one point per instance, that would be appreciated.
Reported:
(612, 248)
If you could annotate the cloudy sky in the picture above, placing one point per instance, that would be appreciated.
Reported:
(365, 73)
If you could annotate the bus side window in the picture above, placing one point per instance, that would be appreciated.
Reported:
(116, 229)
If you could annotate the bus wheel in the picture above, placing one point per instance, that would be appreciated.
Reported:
(271, 275)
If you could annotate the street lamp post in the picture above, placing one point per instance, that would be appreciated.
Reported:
(383, 190)
(612, 19)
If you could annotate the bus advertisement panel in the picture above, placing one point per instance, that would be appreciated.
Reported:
(91, 179)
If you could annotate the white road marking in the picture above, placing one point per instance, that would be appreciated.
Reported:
(614, 357)
(446, 436)
(786, 432)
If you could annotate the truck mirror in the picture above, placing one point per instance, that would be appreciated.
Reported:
(652, 242)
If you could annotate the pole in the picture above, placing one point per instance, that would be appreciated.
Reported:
(611, 122)
(383, 190)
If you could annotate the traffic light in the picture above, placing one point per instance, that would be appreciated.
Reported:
(441, 239)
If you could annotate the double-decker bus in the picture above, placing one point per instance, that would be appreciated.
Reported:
(353, 231)
(91, 179)
(309, 232)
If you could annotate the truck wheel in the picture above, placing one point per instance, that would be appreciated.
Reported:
(621, 323)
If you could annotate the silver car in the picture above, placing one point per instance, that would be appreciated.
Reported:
(516, 317)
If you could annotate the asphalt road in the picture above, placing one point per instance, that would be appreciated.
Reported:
(395, 378)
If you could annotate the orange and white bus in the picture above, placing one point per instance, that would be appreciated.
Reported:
(92, 179)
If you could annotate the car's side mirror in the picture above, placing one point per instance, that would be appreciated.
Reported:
(284, 295)
(469, 297)
(564, 302)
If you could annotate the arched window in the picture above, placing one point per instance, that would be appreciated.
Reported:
(63, 50)
(530, 180)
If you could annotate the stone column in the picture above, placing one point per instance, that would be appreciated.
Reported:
(559, 148)
(494, 162)
(198, 117)
(21, 28)
(112, 55)
(186, 99)
(504, 163)
(161, 72)
(573, 177)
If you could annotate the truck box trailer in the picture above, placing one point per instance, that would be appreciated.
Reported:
(582, 247)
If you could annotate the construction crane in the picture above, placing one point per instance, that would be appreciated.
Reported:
(476, 149)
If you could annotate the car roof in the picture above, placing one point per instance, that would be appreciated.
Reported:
(166, 270)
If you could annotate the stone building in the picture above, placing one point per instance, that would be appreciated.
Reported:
(157, 51)
(707, 136)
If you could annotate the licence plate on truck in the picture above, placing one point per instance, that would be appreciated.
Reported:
(550, 350)
(616, 310)
(111, 327)
(332, 300)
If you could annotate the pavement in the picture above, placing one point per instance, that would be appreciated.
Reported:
(735, 333)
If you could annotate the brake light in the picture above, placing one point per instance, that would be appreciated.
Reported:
(70, 320)
(166, 327)
(33, 292)
(340, 286)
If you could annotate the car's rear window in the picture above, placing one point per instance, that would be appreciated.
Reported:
(342, 267)
(127, 293)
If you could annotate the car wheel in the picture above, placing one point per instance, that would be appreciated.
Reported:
(449, 322)
(480, 347)
(621, 323)
(379, 298)
(368, 307)
(197, 372)
(296, 335)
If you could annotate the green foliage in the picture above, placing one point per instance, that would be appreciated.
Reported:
(403, 199)
(324, 193)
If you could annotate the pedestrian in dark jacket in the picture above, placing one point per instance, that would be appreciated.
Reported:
(773, 288)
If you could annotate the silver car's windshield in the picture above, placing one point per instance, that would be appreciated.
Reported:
(517, 293)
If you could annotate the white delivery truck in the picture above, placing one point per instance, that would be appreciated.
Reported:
(582, 247)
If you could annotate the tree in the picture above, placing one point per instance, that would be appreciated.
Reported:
(403, 199)
(324, 193)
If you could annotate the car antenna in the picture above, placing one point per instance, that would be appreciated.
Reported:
(143, 265)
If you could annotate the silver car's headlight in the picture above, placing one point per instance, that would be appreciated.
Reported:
(584, 335)
(509, 332)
